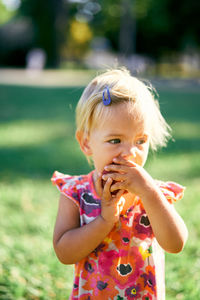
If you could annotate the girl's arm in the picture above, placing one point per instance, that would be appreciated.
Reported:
(72, 242)
(168, 227)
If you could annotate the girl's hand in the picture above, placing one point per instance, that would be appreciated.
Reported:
(111, 205)
(168, 227)
(129, 176)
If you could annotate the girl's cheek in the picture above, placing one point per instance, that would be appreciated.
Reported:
(140, 160)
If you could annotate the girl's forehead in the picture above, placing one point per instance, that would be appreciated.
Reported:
(120, 115)
(114, 110)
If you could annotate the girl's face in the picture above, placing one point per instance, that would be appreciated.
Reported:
(118, 134)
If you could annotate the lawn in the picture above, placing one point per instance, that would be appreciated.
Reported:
(36, 138)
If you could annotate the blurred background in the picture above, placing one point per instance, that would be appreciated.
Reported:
(152, 36)
(49, 50)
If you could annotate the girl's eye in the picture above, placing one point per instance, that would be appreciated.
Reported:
(114, 141)
(141, 141)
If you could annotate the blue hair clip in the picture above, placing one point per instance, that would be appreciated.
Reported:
(106, 101)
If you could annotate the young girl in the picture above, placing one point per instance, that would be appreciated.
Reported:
(115, 222)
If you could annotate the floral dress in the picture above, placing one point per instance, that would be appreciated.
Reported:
(128, 263)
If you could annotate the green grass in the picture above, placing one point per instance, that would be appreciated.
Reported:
(37, 137)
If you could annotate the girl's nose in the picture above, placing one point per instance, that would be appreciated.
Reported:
(129, 152)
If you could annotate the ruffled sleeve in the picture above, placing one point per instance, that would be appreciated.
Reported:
(172, 190)
(66, 184)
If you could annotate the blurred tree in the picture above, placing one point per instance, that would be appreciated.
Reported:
(16, 34)
(50, 21)
(186, 25)
(5, 13)
(107, 22)
(127, 31)
(149, 27)
(79, 36)
(154, 25)
(168, 27)
(66, 27)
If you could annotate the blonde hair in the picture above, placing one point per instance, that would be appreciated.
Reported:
(123, 88)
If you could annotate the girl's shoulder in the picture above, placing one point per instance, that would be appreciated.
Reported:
(172, 190)
(72, 186)
(66, 181)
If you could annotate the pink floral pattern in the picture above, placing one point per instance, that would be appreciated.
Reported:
(126, 263)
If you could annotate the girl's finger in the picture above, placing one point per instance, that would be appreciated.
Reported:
(120, 193)
(122, 161)
(120, 168)
(118, 186)
(99, 188)
(114, 176)
(114, 168)
(106, 190)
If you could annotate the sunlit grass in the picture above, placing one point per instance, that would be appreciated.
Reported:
(22, 133)
(29, 267)
(37, 137)
(186, 130)
(178, 167)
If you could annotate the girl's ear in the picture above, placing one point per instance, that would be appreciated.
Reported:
(83, 141)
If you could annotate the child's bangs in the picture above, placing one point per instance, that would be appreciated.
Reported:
(103, 112)
(100, 113)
